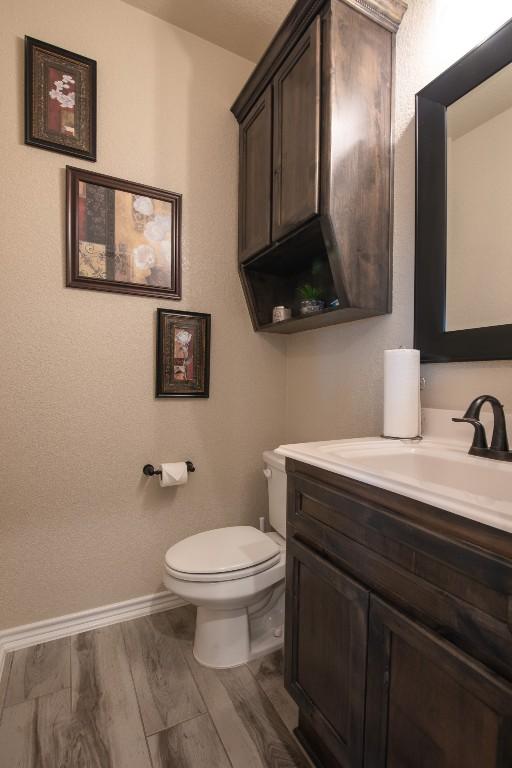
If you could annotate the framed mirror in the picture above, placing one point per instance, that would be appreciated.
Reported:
(463, 278)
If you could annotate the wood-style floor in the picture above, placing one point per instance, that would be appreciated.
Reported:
(133, 696)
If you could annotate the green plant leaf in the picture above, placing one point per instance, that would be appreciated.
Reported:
(308, 292)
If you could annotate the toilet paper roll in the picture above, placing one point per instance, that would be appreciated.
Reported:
(174, 474)
(402, 409)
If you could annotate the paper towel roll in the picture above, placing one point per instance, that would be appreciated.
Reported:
(174, 474)
(402, 410)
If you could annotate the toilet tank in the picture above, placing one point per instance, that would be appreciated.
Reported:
(276, 482)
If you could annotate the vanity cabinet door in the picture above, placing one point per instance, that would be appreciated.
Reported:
(429, 704)
(255, 184)
(326, 644)
(297, 135)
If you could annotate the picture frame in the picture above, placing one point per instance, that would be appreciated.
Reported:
(182, 354)
(121, 236)
(60, 100)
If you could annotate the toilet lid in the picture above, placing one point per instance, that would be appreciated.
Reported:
(222, 550)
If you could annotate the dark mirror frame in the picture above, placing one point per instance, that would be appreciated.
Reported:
(436, 344)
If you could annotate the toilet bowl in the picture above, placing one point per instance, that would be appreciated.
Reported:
(235, 577)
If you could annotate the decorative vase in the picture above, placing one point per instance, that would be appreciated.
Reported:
(311, 306)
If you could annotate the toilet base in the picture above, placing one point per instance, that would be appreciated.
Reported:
(222, 637)
(229, 638)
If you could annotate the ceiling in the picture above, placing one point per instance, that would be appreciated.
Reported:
(244, 27)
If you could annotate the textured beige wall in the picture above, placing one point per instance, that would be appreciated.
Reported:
(79, 525)
(334, 378)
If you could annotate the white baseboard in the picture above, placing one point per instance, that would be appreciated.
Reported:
(64, 626)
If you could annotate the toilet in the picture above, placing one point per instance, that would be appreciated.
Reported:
(235, 577)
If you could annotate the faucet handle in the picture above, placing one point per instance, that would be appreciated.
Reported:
(480, 438)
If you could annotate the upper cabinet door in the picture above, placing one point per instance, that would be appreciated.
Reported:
(428, 704)
(297, 135)
(255, 178)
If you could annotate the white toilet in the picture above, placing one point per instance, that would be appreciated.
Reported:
(235, 576)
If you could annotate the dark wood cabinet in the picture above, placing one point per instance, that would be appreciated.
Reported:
(398, 629)
(297, 135)
(327, 651)
(255, 177)
(315, 182)
(429, 704)
(280, 151)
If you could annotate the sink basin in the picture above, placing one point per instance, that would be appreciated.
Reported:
(437, 473)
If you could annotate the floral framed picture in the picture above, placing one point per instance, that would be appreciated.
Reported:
(182, 354)
(60, 100)
(122, 236)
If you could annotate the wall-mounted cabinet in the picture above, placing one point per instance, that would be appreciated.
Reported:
(296, 139)
(315, 177)
(255, 185)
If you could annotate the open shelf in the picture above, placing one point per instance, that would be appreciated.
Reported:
(273, 278)
(329, 316)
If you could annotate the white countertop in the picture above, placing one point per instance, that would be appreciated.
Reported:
(436, 470)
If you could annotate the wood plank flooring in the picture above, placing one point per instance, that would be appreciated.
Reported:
(165, 688)
(192, 744)
(133, 696)
(269, 673)
(37, 671)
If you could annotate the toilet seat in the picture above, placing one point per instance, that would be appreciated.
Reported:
(223, 554)
(227, 576)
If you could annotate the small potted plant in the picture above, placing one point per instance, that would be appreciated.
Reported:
(310, 301)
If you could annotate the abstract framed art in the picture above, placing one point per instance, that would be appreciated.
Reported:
(60, 100)
(122, 236)
(182, 354)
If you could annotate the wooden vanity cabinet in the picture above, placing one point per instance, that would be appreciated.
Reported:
(398, 629)
(429, 704)
(315, 178)
(326, 670)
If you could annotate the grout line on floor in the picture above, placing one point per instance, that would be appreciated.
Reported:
(297, 742)
(128, 661)
(7, 673)
(212, 720)
(70, 652)
(179, 642)
(228, 758)
(180, 722)
(34, 700)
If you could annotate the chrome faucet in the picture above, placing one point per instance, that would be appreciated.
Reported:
(499, 443)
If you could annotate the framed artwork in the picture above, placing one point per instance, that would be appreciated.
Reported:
(60, 100)
(121, 236)
(183, 354)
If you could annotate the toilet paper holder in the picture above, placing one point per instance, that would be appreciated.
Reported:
(149, 469)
